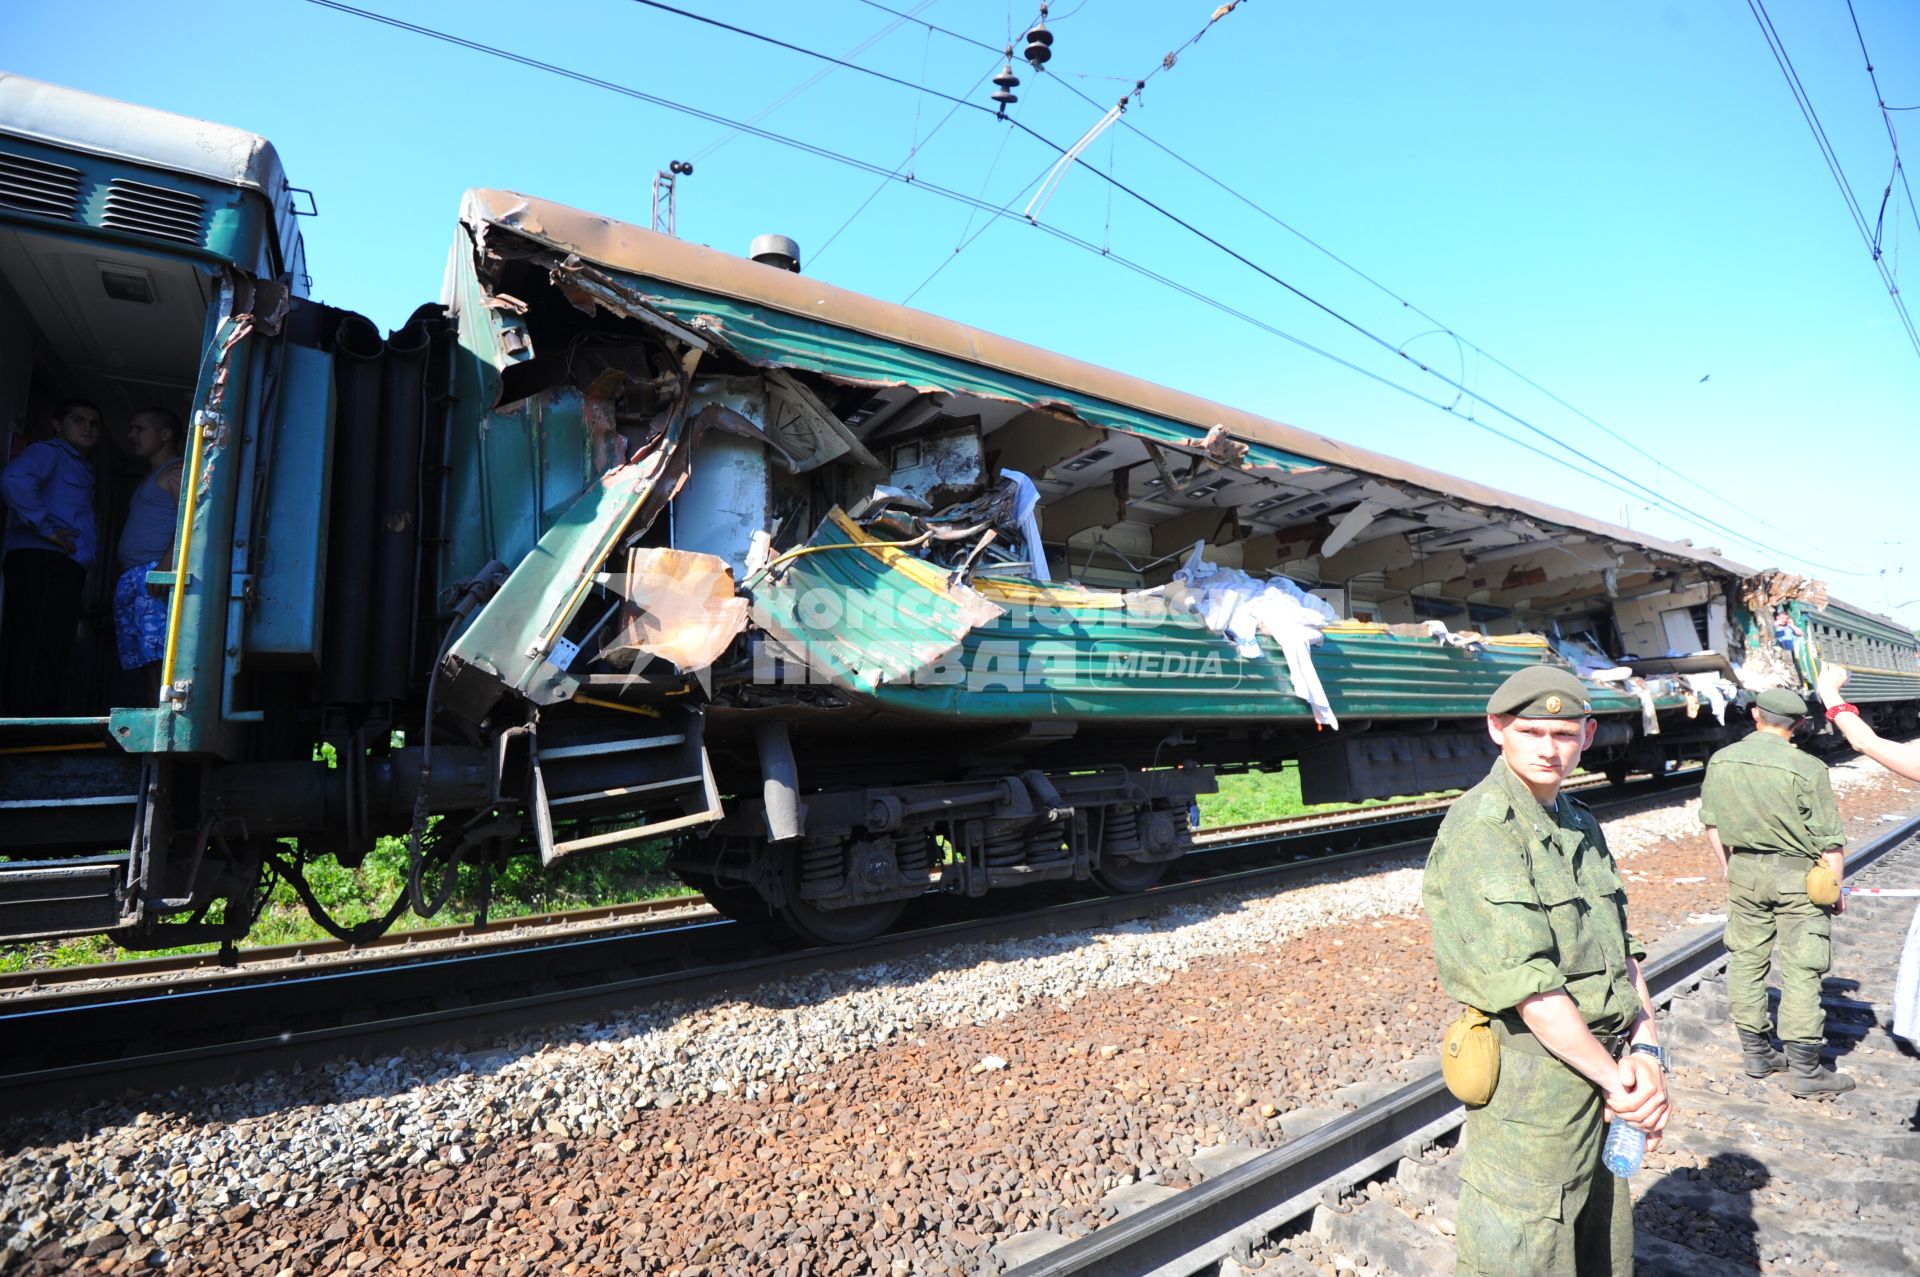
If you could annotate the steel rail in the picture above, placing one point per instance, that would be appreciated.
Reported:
(96, 981)
(381, 947)
(1211, 1221)
(51, 978)
(1408, 812)
(689, 961)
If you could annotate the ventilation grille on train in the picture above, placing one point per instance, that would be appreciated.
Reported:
(153, 210)
(35, 186)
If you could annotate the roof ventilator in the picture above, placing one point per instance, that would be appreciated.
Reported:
(776, 250)
(35, 186)
(153, 210)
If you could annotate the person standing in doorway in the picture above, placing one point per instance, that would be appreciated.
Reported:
(49, 545)
(1771, 816)
(146, 542)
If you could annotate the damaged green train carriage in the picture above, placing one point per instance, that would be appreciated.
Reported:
(566, 561)
(772, 466)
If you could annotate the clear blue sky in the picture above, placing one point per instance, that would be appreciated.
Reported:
(1619, 201)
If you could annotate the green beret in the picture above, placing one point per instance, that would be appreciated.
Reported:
(1541, 691)
(1778, 700)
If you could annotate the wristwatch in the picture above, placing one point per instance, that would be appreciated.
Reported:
(1657, 1052)
(1844, 707)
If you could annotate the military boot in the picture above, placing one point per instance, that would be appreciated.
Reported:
(1762, 1060)
(1809, 1080)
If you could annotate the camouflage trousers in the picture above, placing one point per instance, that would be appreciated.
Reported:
(1767, 896)
(1534, 1199)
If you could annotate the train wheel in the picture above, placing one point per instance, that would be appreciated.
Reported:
(840, 926)
(1124, 875)
(1616, 774)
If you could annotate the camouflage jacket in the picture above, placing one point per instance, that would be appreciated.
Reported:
(1767, 794)
(1524, 902)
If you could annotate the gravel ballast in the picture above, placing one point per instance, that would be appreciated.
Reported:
(899, 1118)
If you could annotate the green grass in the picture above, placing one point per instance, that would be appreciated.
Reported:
(1275, 795)
(521, 887)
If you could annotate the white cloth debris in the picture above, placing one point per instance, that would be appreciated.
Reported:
(1715, 690)
(1649, 715)
(1025, 501)
(1242, 608)
(1906, 989)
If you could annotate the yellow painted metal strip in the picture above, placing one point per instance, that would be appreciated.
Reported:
(53, 749)
(1045, 594)
(645, 711)
(919, 571)
(176, 605)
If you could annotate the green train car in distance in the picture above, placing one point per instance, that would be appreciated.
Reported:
(1883, 659)
(627, 539)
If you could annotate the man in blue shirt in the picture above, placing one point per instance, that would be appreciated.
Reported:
(50, 543)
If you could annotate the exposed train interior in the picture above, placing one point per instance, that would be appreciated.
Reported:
(1117, 510)
(942, 469)
(946, 475)
(123, 327)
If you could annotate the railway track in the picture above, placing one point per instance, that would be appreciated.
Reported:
(75, 1041)
(1363, 817)
(1323, 833)
(1750, 1180)
(62, 1051)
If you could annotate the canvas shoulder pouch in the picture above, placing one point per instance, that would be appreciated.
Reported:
(1470, 1058)
(1823, 888)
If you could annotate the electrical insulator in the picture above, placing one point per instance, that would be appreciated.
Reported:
(1006, 81)
(1039, 42)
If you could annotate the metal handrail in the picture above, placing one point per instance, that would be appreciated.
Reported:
(176, 605)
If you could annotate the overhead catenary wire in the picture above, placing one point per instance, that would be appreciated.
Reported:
(870, 167)
(905, 165)
(1743, 508)
(1812, 117)
(966, 241)
(1880, 100)
(798, 89)
(1192, 229)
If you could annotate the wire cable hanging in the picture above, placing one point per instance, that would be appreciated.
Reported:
(1645, 493)
(1130, 126)
(1812, 117)
(1880, 100)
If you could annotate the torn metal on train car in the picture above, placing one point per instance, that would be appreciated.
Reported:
(845, 457)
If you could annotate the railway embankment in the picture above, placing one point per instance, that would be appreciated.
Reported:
(935, 1115)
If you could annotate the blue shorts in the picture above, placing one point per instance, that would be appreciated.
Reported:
(139, 618)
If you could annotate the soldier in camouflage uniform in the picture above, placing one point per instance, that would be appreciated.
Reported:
(1769, 811)
(1530, 926)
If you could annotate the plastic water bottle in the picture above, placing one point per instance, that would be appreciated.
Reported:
(1626, 1145)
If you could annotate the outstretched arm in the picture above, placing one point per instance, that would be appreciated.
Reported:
(1902, 759)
